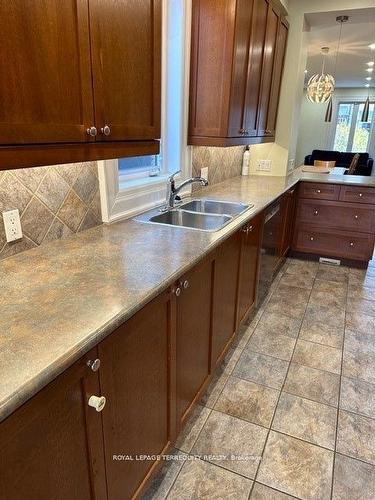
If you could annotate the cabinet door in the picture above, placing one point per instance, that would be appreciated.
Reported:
(193, 336)
(45, 73)
(225, 295)
(282, 35)
(258, 33)
(248, 276)
(51, 447)
(288, 213)
(137, 377)
(267, 70)
(126, 58)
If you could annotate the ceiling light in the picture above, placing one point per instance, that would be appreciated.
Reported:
(370, 63)
(370, 70)
(368, 78)
(367, 85)
(320, 86)
(372, 46)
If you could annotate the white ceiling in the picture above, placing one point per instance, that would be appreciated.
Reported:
(357, 34)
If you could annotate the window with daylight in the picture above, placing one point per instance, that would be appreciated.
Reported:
(351, 134)
(130, 185)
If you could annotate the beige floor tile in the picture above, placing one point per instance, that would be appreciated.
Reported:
(192, 428)
(367, 281)
(320, 298)
(358, 364)
(330, 287)
(356, 436)
(353, 480)
(213, 391)
(292, 294)
(318, 356)
(360, 341)
(163, 481)
(300, 280)
(230, 436)
(296, 467)
(330, 315)
(305, 419)
(248, 400)
(357, 396)
(201, 480)
(360, 292)
(305, 268)
(278, 306)
(284, 325)
(321, 333)
(310, 383)
(362, 306)
(337, 274)
(262, 492)
(262, 369)
(360, 322)
(271, 343)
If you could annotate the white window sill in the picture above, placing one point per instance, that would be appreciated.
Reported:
(127, 184)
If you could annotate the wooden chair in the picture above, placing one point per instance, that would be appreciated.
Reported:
(323, 163)
(353, 164)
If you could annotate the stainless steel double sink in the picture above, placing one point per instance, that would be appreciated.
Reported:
(201, 214)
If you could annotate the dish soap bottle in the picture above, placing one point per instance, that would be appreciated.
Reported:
(246, 161)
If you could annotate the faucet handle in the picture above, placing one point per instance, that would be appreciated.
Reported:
(171, 177)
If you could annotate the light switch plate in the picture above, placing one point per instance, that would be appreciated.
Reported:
(204, 173)
(12, 225)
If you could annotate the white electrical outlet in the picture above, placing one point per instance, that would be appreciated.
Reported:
(12, 225)
(291, 164)
(264, 165)
(204, 172)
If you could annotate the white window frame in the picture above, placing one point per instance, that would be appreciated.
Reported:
(335, 111)
(143, 193)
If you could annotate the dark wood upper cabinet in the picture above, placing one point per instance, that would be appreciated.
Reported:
(79, 80)
(45, 74)
(194, 311)
(52, 446)
(236, 67)
(137, 378)
(126, 56)
(224, 322)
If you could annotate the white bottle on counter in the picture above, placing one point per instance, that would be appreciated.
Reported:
(246, 162)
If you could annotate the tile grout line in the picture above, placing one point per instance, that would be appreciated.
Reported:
(281, 390)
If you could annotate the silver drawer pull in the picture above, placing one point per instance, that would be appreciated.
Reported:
(356, 216)
(360, 195)
(318, 191)
(185, 284)
(94, 364)
(311, 238)
(316, 212)
(177, 292)
(351, 244)
(97, 402)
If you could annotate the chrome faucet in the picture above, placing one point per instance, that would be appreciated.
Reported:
(172, 190)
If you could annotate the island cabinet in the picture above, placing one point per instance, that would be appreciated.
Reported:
(52, 446)
(335, 220)
(237, 58)
(77, 76)
(251, 235)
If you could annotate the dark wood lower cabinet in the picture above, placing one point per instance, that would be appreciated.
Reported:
(248, 276)
(137, 378)
(227, 261)
(52, 446)
(194, 311)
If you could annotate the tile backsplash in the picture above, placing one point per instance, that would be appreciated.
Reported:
(222, 163)
(54, 202)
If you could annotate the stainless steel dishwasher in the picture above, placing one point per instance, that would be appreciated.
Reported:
(269, 248)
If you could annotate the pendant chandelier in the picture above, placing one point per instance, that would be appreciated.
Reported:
(321, 86)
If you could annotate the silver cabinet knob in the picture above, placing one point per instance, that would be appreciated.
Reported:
(97, 402)
(316, 212)
(185, 284)
(356, 216)
(106, 130)
(360, 195)
(250, 228)
(177, 292)
(94, 364)
(351, 244)
(311, 238)
(318, 191)
(91, 131)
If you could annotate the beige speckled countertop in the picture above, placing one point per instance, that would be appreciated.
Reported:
(61, 299)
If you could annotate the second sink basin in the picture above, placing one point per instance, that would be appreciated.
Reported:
(205, 222)
(215, 207)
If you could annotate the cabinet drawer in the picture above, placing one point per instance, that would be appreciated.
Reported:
(335, 243)
(319, 191)
(338, 215)
(358, 194)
